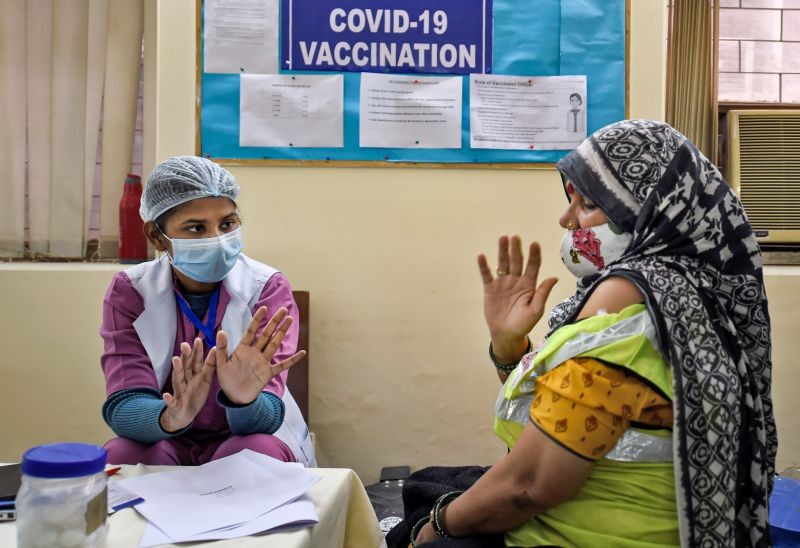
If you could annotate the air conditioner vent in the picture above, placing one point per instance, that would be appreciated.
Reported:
(764, 168)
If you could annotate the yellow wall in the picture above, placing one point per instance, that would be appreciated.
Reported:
(51, 386)
(399, 372)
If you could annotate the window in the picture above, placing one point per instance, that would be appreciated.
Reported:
(759, 52)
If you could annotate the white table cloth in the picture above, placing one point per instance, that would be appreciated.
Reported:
(346, 518)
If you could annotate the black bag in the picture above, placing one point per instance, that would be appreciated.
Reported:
(421, 490)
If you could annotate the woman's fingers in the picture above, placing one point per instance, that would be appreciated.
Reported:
(251, 332)
(503, 258)
(269, 329)
(534, 261)
(168, 399)
(483, 268)
(542, 293)
(515, 262)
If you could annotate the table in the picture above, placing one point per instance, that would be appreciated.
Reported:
(346, 518)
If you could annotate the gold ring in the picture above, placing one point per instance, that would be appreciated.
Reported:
(501, 272)
(571, 225)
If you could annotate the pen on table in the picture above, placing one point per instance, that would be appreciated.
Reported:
(111, 471)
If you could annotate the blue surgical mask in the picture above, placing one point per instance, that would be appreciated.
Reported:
(206, 260)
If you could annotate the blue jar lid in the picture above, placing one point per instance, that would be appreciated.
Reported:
(63, 460)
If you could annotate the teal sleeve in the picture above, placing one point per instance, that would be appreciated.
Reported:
(265, 414)
(135, 413)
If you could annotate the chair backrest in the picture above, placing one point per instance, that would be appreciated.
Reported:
(298, 374)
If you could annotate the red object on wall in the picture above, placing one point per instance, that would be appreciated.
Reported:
(132, 242)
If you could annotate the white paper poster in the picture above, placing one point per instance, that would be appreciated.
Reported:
(240, 36)
(410, 111)
(518, 112)
(291, 111)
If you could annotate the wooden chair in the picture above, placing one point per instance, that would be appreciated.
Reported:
(298, 374)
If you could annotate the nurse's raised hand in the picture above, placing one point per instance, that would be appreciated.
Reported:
(244, 374)
(191, 382)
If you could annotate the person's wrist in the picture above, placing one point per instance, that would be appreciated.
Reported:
(236, 402)
(437, 516)
(445, 523)
(509, 350)
(168, 422)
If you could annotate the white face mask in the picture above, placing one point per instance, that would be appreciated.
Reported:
(587, 251)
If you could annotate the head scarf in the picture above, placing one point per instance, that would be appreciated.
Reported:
(694, 257)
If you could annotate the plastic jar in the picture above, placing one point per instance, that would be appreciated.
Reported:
(62, 499)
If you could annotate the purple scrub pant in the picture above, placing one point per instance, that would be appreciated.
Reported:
(188, 452)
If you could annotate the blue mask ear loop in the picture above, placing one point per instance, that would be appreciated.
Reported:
(171, 258)
(206, 329)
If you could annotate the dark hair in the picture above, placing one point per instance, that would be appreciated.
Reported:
(576, 96)
(161, 220)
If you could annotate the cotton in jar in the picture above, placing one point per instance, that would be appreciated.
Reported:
(62, 499)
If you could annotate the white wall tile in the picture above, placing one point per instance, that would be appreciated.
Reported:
(738, 87)
(770, 57)
(749, 24)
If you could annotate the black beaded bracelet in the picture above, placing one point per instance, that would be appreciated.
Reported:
(436, 512)
(507, 368)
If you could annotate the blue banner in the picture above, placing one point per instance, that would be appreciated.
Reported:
(405, 36)
(558, 37)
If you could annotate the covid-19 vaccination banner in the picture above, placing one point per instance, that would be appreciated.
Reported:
(402, 36)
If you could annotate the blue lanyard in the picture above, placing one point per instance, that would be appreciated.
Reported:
(206, 329)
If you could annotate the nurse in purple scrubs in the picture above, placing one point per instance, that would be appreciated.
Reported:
(197, 343)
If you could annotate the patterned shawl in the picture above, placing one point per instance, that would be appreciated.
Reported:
(695, 259)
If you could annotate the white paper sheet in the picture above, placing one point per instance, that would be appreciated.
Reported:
(518, 112)
(240, 36)
(119, 497)
(410, 111)
(291, 111)
(225, 492)
(293, 515)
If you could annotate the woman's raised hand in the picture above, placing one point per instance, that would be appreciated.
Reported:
(244, 374)
(191, 381)
(512, 301)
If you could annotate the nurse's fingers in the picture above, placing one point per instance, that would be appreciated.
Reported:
(287, 363)
(269, 329)
(178, 378)
(251, 332)
(188, 361)
(197, 356)
(207, 372)
(185, 360)
(276, 339)
(221, 348)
